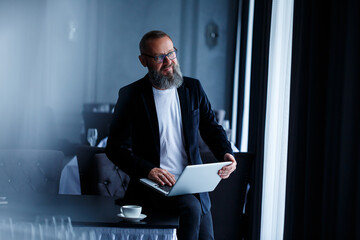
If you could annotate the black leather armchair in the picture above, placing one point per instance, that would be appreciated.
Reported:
(30, 171)
(98, 175)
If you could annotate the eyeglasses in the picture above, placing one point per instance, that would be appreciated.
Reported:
(160, 58)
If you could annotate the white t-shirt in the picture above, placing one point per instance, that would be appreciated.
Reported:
(172, 151)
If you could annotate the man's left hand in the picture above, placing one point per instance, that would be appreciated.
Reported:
(227, 170)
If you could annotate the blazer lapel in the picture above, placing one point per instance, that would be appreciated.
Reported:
(186, 114)
(149, 103)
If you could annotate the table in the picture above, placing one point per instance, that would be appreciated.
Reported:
(70, 178)
(98, 213)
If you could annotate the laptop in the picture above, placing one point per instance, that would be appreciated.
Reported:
(194, 179)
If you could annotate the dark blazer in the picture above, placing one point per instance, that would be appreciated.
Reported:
(134, 143)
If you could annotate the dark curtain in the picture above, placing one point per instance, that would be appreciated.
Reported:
(258, 94)
(323, 185)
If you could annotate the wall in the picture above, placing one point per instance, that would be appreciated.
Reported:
(57, 55)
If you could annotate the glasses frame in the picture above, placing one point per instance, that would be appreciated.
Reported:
(160, 58)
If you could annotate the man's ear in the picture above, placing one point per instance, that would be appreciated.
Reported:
(142, 60)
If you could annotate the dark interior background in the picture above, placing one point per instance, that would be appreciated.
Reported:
(57, 55)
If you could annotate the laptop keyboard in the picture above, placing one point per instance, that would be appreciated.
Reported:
(165, 188)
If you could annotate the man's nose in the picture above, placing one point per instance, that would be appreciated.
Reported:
(166, 60)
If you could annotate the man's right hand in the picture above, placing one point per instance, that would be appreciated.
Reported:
(162, 177)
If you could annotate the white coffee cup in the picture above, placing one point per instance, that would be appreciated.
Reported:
(131, 211)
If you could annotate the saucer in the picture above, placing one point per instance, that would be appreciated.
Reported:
(132, 219)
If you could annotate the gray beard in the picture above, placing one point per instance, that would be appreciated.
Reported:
(165, 82)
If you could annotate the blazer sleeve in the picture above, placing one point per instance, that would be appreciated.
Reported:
(118, 148)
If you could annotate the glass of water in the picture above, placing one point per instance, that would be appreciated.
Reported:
(92, 136)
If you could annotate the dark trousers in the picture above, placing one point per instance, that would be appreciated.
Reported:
(194, 224)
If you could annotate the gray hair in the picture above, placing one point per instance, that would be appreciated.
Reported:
(149, 36)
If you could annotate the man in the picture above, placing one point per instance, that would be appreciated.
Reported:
(154, 134)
